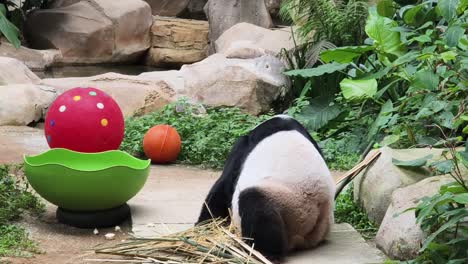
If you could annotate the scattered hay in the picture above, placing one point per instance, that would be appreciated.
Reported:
(211, 242)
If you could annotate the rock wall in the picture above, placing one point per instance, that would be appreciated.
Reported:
(22, 99)
(246, 40)
(13, 71)
(94, 31)
(176, 41)
(33, 59)
(169, 8)
(250, 84)
(373, 189)
(222, 15)
(399, 236)
(135, 96)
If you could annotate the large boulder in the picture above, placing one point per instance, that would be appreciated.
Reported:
(399, 237)
(95, 31)
(246, 40)
(374, 187)
(169, 8)
(22, 104)
(273, 7)
(33, 59)
(250, 84)
(13, 71)
(135, 96)
(177, 41)
(222, 15)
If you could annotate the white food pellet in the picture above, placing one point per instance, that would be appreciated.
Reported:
(96, 231)
(109, 236)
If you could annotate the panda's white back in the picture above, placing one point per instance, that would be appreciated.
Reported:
(287, 157)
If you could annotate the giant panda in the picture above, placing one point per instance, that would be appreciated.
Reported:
(278, 188)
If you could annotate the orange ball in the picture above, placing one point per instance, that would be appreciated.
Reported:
(162, 144)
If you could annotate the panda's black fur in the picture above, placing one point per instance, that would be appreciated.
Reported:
(263, 217)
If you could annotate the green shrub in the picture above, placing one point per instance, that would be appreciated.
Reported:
(14, 241)
(15, 199)
(207, 137)
(443, 216)
(346, 211)
(407, 80)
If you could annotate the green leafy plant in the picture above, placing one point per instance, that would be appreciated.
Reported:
(346, 211)
(14, 241)
(443, 216)
(328, 20)
(409, 76)
(321, 25)
(13, 15)
(15, 199)
(207, 135)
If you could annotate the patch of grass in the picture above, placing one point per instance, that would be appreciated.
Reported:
(340, 154)
(14, 241)
(15, 199)
(207, 134)
(346, 211)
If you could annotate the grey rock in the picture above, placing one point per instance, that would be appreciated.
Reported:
(135, 95)
(22, 104)
(399, 237)
(33, 59)
(13, 71)
(177, 41)
(90, 32)
(222, 15)
(169, 8)
(246, 41)
(374, 187)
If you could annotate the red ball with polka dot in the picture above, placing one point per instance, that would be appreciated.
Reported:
(84, 120)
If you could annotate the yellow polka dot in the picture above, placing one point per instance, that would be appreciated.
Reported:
(104, 122)
(76, 98)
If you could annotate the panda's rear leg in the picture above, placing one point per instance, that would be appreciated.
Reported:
(261, 221)
(322, 226)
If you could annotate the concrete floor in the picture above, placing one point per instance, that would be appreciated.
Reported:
(170, 201)
(172, 198)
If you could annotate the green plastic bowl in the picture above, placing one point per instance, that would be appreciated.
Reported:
(86, 181)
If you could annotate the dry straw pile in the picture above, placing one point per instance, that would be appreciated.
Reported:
(211, 242)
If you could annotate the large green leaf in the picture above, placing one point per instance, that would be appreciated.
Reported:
(412, 163)
(379, 29)
(425, 80)
(318, 71)
(358, 89)
(443, 166)
(390, 139)
(343, 54)
(461, 198)
(413, 15)
(408, 57)
(448, 8)
(461, 214)
(384, 117)
(453, 35)
(320, 112)
(8, 29)
(386, 8)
